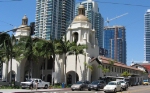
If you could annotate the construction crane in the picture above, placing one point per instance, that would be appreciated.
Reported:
(108, 20)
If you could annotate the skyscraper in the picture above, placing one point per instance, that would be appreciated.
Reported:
(53, 18)
(95, 18)
(147, 36)
(115, 43)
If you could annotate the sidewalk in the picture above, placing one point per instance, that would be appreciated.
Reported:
(30, 91)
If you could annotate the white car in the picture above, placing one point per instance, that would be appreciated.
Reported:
(124, 84)
(113, 86)
(31, 83)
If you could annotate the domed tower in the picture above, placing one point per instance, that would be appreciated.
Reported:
(80, 30)
(81, 15)
(24, 29)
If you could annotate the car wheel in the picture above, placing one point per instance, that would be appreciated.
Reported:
(114, 90)
(120, 89)
(30, 87)
(46, 87)
(81, 89)
(97, 89)
(89, 89)
(23, 88)
(72, 89)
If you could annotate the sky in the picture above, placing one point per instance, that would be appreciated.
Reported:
(12, 13)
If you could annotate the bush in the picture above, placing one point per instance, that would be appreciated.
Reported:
(10, 87)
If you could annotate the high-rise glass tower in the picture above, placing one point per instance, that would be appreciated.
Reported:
(115, 43)
(53, 18)
(147, 36)
(95, 18)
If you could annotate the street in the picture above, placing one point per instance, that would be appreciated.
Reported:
(134, 89)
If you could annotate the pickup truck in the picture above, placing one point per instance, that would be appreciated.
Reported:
(28, 83)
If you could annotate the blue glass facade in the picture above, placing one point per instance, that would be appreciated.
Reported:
(53, 18)
(147, 36)
(115, 43)
(95, 18)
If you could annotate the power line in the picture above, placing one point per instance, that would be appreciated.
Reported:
(7, 23)
(118, 3)
(123, 4)
(9, 0)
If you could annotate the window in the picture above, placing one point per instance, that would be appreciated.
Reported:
(40, 81)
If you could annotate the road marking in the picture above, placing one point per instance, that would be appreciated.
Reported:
(133, 91)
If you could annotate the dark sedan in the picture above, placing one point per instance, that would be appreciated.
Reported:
(96, 85)
(80, 85)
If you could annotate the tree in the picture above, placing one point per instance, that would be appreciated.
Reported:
(111, 63)
(125, 74)
(63, 47)
(104, 70)
(43, 48)
(77, 49)
(87, 66)
(4, 59)
(26, 51)
(7, 42)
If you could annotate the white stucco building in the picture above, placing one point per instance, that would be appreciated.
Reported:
(81, 32)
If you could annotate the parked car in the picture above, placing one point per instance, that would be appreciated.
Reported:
(145, 82)
(124, 84)
(31, 82)
(136, 83)
(96, 85)
(80, 85)
(113, 86)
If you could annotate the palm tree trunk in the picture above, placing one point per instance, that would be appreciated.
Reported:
(11, 71)
(29, 76)
(84, 67)
(65, 68)
(53, 69)
(75, 68)
(6, 70)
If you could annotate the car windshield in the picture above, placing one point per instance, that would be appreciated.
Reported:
(79, 82)
(145, 80)
(95, 82)
(111, 83)
(29, 80)
(122, 82)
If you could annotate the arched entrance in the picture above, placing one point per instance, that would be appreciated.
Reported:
(13, 75)
(49, 78)
(71, 77)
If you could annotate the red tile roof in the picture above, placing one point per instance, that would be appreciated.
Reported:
(119, 64)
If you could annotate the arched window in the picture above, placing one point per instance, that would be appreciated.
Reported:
(90, 38)
(75, 36)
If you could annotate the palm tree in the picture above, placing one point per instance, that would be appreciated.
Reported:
(26, 51)
(104, 70)
(125, 74)
(77, 49)
(87, 66)
(111, 63)
(8, 42)
(4, 59)
(63, 47)
(42, 48)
